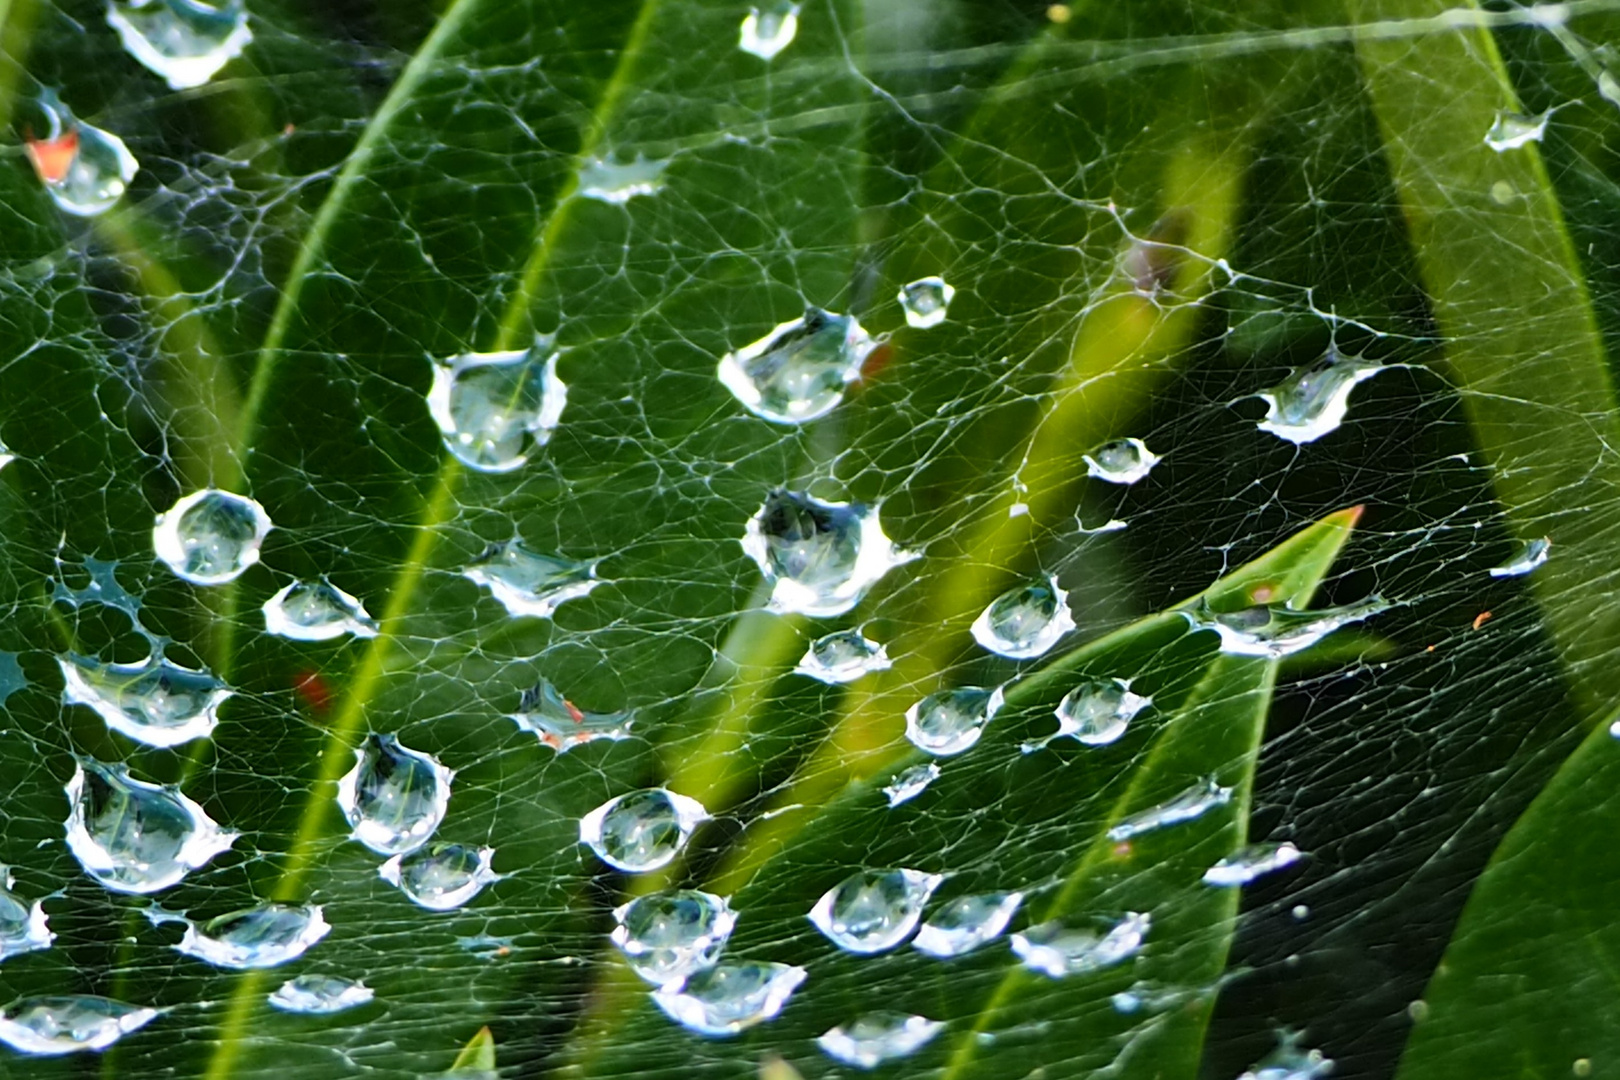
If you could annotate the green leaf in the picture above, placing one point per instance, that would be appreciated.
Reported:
(478, 1054)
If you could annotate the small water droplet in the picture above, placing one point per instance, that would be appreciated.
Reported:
(1314, 400)
(1024, 622)
(1276, 630)
(819, 557)
(667, 937)
(1530, 555)
(612, 182)
(799, 370)
(876, 1037)
(1056, 950)
(495, 409)
(768, 30)
(23, 928)
(210, 537)
(1097, 712)
(729, 998)
(951, 721)
(1301, 912)
(967, 922)
(66, 1025)
(1512, 130)
(320, 995)
(133, 836)
(85, 170)
(527, 582)
(1289, 1062)
(643, 830)
(394, 797)
(1123, 461)
(872, 911)
(258, 937)
(441, 877)
(155, 701)
(913, 782)
(561, 725)
(184, 41)
(842, 656)
(1189, 804)
(316, 611)
(1251, 861)
(925, 301)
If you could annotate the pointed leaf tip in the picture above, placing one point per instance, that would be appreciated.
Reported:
(478, 1055)
(774, 1068)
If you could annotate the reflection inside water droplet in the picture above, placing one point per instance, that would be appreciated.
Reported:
(1511, 130)
(1056, 950)
(873, 911)
(316, 611)
(260, 937)
(925, 301)
(768, 29)
(819, 557)
(136, 837)
(210, 537)
(495, 409)
(1189, 804)
(394, 797)
(1313, 401)
(911, 783)
(951, 721)
(611, 182)
(319, 995)
(1024, 622)
(85, 170)
(184, 41)
(561, 725)
(842, 656)
(1276, 630)
(441, 877)
(1530, 555)
(729, 998)
(66, 1025)
(666, 937)
(23, 928)
(1123, 461)
(643, 830)
(876, 1037)
(799, 370)
(1096, 713)
(1251, 861)
(527, 582)
(967, 922)
(155, 702)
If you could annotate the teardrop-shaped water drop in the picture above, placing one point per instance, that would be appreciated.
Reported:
(394, 797)
(495, 409)
(872, 911)
(1024, 622)
(1530, 555)
(155, 701)
(320, 995)
(184, 41)
(527, 582)
(769, 29)
(441, 877)
(729, 998)
(667, 937)
(819, 557)
(258, 937)
(1122, 461)
(1057, 950)
(643, 830)
(65, 1025)
(1314, 400)
(617, 183)
(1290, 1062)
(85, 170)
(210, 537)
(799, 370)
(925, 301)
(1192, 803)
(316, 611)
(562, 725)
(23, 928)
(1511, 130)
(1276, 630)
(951, 721)
(1251, 861)
(842, 656)
(967, 922)
(136, 837)
(1095, 713)
(875, 1037)
(911, 783)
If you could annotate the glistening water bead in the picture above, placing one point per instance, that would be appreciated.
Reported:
(23, 928)
(1193, 802)
(841, 657)
(666, 937)
(872, 911)
(876, 1037)
(1313, 401)
(85, 170)
(320, 995)
(1531, 554)
(316, 611)
(1122, 461)
(769, 29)
(925, 301)
(963, 924)
(799, 370)
(950, 721)
(562, 725)
(643, 830)
(1024, 622)
(265, 936)
(1276, 630)
(441, 877)
(494, 409)
(1251, 861)
(911, 783)
(1097, 712)
(65, 1025)
(136, 837)
(528, 583)
(155, 702)
(617, 183)
(210, 537)
(184, 41)
(394, 797)
(1511, 130)
(1056, 950)
(819, 557)
(729, 998)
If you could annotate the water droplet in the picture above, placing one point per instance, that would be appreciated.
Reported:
(441, 877)
(1289, 1062)
(1057, 950)
(394, 797)
(527, 582)
(1123, 461)
(913, 782)
(66, 1025)
(561, 725)
(877, 1037)
(1314, 400)
(1511, 130)
(1529, 556)
(842, 656)
(316, 611)
(133, 836)
(155, 702)
(1251, 861)
(819, 557)
(667, 937)
(611, 182)
(1276, 630)
(925, 301)
(730, 998)
(85, 170)
(967, 922)
(872, 911)
(1096, 713)
(951, 721)
(23, 928)
(798, 371)
(259, 937)
(1191, 803)
(768, 30)
(1024, 622)
(210, 536)
(184, 41)
(319, 995)
(494, 409)
(643, 830)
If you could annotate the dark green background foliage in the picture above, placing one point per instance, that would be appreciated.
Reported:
(1150, 211)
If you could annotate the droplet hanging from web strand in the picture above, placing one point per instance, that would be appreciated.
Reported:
(1122, 461)
(965, 923)
(1531, 554)
(441, 877)
(1190, 804)
(729, 998)
(265, 936)
(1290, 1062)
(876, 1037)
(642, 830)
(394, 797)
(155, 702)
(1095, 713)
(65, 1025)
(1057, 951)
(495, 409)
(819, 557)
(841, 657)
(666, 937)
(1276, 630)
(528, 583)
(950, 722)
(210, 537)
(617, 183)
(136, 837)
(562, 725)
(24, 928)
(874, 911)
(769, 29)
(85, 170)
(926, 301)
(320, 995)
(316, 611)
(1250, 862)
(911, 783)
(1511, 130)
(1024, 622)
(1313, 401)
(184, 41)
(798, 371)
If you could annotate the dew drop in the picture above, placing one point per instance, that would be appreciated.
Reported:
(1024, 622)
(967, 922)
(1314, 400)
(819, 557)
(799, 370)
(23, 928)
(1123, 461)
(876, 1037)
(258, 937)
(210, 537)
(85, 170)
(1191, 803)
(561, 725)
(1276, 630)
(612, 182)
(925, 301)
(1289, 1062)
(1096, 713)
(494, 409)
(184, 41)
(316, 611)
(320, 995)
(1529, 556)
(872, 911)
(66, 1025)
(1056, 950)
(527, 582)
(643, 830)
(667, 937)
(394, 797)
(136, 837)
(1511, 130)
(913, 782)
(1251, 861)
(768, 30)
(729, 998)
(842, 656)
(155, 702)
(951, 721)
(441, 877)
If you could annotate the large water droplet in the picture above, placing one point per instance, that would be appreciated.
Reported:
(1095, 713)
(951, 721)
(666, 937)
(1289, 1062)
(1057, 950)
(1512, 130)
(316, 611)
(612, 182)
(967, 922)
(842, 656)
(925, 301)
(819, 557)
(494, 409)
(155, 702)
(210, 536)
(729, 998)
(768, 30)
(66, 1025)
(1313, 400)
(441, 877)
(911, 783)
(1276, 630)
(184, 41)
(23, 928)
(799, 370)
(85, 170)
(1189, 804)
(876, 1037)
(1024, 622)
(259, 937)
(136, 837)
(872, 911)
(527, 582)
(1530, 555)
(643, 830)
(1123, 461)
(394, 797)
(561, 725)
(320, 995)
(1251, 861)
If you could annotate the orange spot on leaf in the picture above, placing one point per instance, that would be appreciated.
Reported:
(1481, 619)
(313, 689)
(53, 157)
